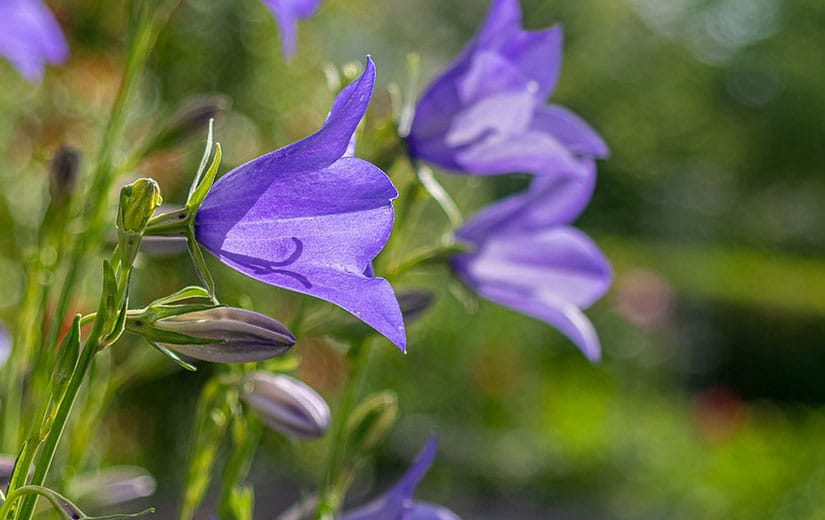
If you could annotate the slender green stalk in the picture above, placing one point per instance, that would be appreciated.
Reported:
(332, 489)
(45, 455)
(95, 210)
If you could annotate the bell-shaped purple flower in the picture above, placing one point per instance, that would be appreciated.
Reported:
(30, 37)
(397, 502)
(524, 256)
(486, 113)
(287, 13)
(310, 219)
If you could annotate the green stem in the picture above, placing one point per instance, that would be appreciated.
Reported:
(332, 490)
(45, 455)
(95, 211)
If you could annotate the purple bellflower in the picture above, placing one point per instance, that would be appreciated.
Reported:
(486, 113)
(397, 502)
(287, 13)
(524, 256)
(30, 37)
(310, 218)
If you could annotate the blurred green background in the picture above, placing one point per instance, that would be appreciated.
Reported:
(710, 400)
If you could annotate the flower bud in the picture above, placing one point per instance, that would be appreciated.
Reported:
(217, 334)
(414, 303)
(190, 119)
(287, 405)
(63, 174)
(138, 202)
(111, 486)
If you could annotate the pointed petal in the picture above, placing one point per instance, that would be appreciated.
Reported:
(550, 201)
(547, 274)
(286, 14)
(30, 37)
(392, 504)
(320, 149)
(571, 130)
(503, 17)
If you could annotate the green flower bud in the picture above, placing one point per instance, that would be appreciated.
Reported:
(138, 202)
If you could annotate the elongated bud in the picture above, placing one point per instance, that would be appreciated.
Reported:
(414, 303)
(6, 468)
(287, 405)
(63, 174)
(189, 120)
(111, 486)
(217, 334)
(138, 202)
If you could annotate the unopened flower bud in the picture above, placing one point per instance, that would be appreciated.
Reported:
(138, 202)
(190, 119)
(111, 486)
(287, 405)
(217, 334)
(414, 303)
(6, 468)
(63, 174)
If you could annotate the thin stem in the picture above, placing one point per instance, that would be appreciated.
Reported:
(43, 460)
(332, 490)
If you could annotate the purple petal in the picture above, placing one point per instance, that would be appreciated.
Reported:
(30, 37)
(287, 13)
(546, 274)
(549, 202)
(529, 152)
(571, 130)
(5, 345)
(398, 499)
(426, 511)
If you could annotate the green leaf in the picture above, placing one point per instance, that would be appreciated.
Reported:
(187, 293)
(197, 196)
(204, 159)
(67, 355)
(174, 357)
(66, 507)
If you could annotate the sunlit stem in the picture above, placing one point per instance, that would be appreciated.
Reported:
(333, 485)
(95, 209)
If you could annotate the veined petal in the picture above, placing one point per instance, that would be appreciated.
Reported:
(571, 130)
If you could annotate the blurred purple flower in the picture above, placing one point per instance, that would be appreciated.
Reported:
(486, 113)
(287, 13)
(30, 37)
(5, 345)
(524, 256)
(397, 502)
(310, 219)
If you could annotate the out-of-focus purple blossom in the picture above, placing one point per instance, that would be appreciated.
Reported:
(287, 13)
(486, 113)
(310, 219)
(397, 502)
(524, 256)
(5, 345)
(30, 37)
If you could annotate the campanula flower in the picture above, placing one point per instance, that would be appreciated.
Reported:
(397, 502)
(525, 256)
(30, 37)
(486, 113)
(310, 218)
(287, 13)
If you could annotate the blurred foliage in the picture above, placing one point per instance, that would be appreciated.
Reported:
(709, 403)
